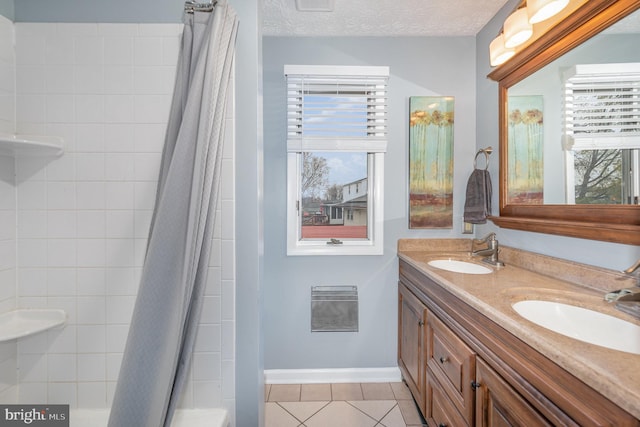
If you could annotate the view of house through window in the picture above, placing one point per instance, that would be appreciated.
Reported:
(334, 195)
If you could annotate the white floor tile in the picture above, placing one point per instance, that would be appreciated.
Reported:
(393, 418)
(276, 416)
(311, 405)
(338, 413)
(303, 410)
(374, 408)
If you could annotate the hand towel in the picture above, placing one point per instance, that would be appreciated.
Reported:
(478, 197)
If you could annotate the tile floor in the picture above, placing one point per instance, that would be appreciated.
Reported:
(340, 405)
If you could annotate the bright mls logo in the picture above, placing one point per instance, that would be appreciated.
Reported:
(34, 415)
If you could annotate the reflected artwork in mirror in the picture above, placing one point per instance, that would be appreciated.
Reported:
(526, 147)
(579, 175)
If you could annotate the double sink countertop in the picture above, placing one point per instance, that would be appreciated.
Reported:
(529, 276)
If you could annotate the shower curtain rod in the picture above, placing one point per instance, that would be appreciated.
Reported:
(192, 6)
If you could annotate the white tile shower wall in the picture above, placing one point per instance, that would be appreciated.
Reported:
(83, 219)
(7, 76)
(8, 355)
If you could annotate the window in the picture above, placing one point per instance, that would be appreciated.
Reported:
(602, 133)
(336, 140)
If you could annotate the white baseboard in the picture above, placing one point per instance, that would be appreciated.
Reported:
(347, 375)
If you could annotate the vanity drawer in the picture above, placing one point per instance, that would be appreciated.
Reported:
(440, 411)
(453, 364)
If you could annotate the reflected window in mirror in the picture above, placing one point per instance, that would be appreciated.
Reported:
(601, 133)
(603, 176)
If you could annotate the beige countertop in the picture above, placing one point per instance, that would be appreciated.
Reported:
(526, 276)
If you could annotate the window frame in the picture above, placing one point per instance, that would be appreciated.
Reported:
(375, 150)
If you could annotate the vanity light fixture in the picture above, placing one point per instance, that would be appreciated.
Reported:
(498, 52)
(517, 28)
(540, 10)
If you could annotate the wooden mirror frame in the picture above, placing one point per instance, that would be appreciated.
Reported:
(611, 223)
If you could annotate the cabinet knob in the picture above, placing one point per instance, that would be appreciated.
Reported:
(442, 425)
(475, 385)
(444, 359)
(420, 322)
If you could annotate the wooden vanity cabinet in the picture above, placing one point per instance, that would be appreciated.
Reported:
(466, 370)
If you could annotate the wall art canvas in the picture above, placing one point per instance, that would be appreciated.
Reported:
(526, 141)
(431, 161)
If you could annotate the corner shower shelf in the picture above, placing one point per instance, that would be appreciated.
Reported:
(26, 321)
(30, 145)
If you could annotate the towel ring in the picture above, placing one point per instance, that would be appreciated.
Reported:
(486, 151)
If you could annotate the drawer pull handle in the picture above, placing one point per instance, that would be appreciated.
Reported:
(444, 359)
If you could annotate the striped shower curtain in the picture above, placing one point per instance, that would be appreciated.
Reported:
(156, 360)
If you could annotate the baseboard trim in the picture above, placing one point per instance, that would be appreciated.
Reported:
(346, 375)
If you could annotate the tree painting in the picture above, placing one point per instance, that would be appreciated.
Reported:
(526, 141)
(431, 162)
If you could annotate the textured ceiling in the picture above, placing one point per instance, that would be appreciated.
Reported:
(381, 18)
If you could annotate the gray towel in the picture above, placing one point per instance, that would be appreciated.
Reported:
(478, 199)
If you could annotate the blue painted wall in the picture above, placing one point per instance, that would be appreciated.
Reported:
(418, 66)
(7, 9)
(249, 215)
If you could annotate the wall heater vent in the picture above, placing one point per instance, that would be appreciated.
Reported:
(334, 309)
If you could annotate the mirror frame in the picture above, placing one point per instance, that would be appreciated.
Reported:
(611, 223)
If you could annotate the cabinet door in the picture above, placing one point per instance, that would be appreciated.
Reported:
(411, 320)
(498, 404)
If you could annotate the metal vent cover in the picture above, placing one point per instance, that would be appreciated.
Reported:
(334, 309)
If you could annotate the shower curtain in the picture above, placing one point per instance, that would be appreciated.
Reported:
(167, 310)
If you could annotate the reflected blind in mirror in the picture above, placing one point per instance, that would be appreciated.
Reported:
(602, 106)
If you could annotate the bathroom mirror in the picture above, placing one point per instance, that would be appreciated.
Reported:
(589, 35)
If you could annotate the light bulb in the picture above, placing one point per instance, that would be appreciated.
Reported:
(498, 53)
(517, 28)
(540, 10)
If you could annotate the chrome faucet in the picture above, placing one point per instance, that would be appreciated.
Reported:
(490, 253)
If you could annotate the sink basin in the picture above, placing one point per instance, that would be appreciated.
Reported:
(459, 266)
(582, 324)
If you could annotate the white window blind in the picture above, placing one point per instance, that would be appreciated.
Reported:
(336, 108)
(602, 106)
